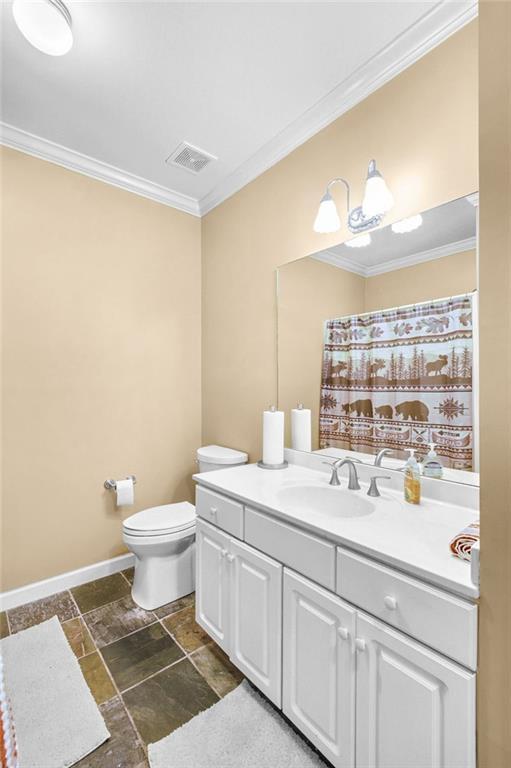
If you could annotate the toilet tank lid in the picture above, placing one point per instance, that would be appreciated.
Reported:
(217, 454)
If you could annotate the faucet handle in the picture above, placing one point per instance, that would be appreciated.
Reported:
(334, 480)
(373, 485)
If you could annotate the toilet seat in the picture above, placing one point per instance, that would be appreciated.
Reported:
(158, 521)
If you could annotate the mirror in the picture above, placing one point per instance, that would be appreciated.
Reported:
(380, 343)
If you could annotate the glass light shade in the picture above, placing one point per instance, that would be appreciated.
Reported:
(404, 226)
(46, 24)
(327, 219)
(377, 197)
(360, 241)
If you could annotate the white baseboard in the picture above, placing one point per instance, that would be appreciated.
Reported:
(38, 589)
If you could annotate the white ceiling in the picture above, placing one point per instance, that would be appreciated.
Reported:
(247, 82)
(449, 228)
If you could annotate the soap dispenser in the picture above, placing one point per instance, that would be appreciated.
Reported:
(412, 480)
(432, 465)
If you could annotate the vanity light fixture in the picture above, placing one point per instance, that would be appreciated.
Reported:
(404, 226)
(360, 241)
(377, 202)
(46, 24)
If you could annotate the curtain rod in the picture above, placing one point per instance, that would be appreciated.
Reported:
(403, 306)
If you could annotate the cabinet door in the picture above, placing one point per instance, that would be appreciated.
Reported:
(212, 583)
(414, 707)
(318, 689)
(256, 618)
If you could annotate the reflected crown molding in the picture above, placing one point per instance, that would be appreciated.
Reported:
(351, 264)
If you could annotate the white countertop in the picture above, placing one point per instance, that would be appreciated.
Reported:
(413, 538)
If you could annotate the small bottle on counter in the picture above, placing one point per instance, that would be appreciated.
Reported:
(412, 481)
(432, 465)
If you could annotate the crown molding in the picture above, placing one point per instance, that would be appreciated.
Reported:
(351, 265)
(433, 28)
(75, 161)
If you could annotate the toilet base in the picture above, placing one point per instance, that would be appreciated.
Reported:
(161, 579)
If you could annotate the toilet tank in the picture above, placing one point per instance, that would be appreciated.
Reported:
(212, 457)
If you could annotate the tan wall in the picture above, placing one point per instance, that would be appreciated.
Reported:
(310, 292)
(494, 679)
(422, 129)
(101, 315)
(437, 279)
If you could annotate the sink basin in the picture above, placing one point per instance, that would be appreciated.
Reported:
(329, 500)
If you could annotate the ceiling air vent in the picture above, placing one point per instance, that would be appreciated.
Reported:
(190, 157)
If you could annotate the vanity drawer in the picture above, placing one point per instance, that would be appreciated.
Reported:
(297, 549)
(440, 620)
(219, 510)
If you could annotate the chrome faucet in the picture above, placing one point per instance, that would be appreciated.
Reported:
(353, 484)
(380, 455)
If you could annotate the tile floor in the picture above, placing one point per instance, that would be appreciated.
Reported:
(149, 671)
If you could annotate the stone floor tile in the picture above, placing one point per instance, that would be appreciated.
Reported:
(177, 605)
(97, 677)
(123, 749)
(129, 573)
(115, 620)
(216, 667)
(28, 615)
(100, 592)
(135, 657)
(4, 625)
(78, 637)
(166, 701)
(185, 630)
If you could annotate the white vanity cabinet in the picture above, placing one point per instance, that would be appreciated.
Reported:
(395, 689)
(239, 604)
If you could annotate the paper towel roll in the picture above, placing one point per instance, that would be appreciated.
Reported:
(273, 437)
(301, 429)
(125, 492)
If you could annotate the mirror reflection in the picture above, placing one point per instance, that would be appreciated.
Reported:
(377, 337)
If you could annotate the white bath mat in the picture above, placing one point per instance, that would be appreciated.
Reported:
(241, 731)
(55, 716)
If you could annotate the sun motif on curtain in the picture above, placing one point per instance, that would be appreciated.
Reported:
(400, 378)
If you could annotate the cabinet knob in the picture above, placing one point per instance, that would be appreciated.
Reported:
(360, 644)
(213, 511)
(223, 552)
(390, 602)
(343, 633)
(230, 558)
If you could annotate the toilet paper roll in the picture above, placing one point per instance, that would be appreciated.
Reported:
(301, 429)
(273, 437)
(125, 492)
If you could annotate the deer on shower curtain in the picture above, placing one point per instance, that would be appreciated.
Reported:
(400, 378)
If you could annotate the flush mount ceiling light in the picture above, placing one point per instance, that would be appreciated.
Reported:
(377, 202)
(360, 241)
(404, 226)
(46, 24)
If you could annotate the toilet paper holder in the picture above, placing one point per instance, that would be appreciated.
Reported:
(111, 485)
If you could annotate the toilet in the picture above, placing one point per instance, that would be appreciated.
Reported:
(163, 540)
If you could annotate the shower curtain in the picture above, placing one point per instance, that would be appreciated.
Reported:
(401, 378)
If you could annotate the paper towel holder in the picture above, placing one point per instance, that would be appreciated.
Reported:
(111, 485)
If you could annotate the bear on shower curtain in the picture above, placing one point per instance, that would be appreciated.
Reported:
(400, 378)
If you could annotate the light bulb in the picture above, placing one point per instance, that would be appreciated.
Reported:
(407, 225)
(360, 241)
(46, 24)
(327, 219)
(378, 198)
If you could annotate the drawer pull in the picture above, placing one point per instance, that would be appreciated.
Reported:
(343, 633)
(390, 602)
(360, 644)
(230, 558)
(213, 511)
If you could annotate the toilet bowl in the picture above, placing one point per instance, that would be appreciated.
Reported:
(163, 540)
